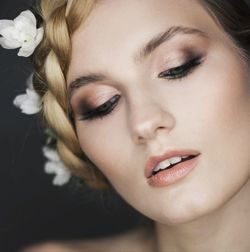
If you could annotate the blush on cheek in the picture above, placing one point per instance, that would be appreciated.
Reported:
(101, 142)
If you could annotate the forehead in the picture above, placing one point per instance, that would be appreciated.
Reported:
(116, 28)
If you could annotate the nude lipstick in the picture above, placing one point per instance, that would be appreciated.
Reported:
(185, 162)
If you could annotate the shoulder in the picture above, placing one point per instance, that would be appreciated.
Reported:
(137, 240)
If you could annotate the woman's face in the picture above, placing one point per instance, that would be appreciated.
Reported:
(188, 90)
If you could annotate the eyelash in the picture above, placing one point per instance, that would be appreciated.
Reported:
(181, 71)
(170, 74)
(103, 110)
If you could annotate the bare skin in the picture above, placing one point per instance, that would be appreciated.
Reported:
(138, 240)
(207, 110)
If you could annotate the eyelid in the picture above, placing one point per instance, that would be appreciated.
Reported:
(92, 96)
(99, 112)
(185, 68)
(171, 61)
(101, 98)
(184, 60)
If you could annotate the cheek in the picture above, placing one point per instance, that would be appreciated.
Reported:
(215, 119)
(223, 128)
(228, 104)
(221, 100)
(107, 146)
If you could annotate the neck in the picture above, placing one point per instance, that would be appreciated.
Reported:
(226, 229)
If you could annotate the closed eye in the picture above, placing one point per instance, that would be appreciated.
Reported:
(182, 70)
(170, 74)
(102, 110)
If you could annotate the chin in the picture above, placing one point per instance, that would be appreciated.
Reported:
(189, 210)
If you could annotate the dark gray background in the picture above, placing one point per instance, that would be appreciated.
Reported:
(31, 208)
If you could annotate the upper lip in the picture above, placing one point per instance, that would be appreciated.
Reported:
(153, 161)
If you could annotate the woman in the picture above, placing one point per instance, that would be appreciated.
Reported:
(156, 94)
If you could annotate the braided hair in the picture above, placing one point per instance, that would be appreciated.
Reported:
(60, 19)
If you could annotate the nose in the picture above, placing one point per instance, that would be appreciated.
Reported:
(148, 118)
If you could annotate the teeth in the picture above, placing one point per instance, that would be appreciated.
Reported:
(166, 163)
(162, 165)
(175, 160)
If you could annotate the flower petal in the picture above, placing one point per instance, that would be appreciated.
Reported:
(61, 179)
(50, 167)
(19, 100)
(29, 108)
(62, 174)
(29, 81)
(26, 52)
(26, 28)
(11, 33)
(29, 15)
(26, 22)
(26, 17)
(51, 154)
(4, 23)
(29, 103)
(9, 44)
(39, 35)
(32, 95)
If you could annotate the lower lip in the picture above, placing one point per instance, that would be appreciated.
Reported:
(174, 174)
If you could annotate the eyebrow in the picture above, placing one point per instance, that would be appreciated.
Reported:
(142, 54)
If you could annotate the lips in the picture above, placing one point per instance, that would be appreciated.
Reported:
(155, 160)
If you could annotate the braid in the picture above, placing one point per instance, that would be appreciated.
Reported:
(51, 63)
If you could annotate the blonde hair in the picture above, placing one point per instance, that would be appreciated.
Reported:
(60, 19)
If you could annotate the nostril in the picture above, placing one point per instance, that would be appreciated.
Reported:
(148, 118)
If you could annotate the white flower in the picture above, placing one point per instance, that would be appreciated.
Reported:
(29, 103)
(29, 81)
(55, 165)
(21, 32)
